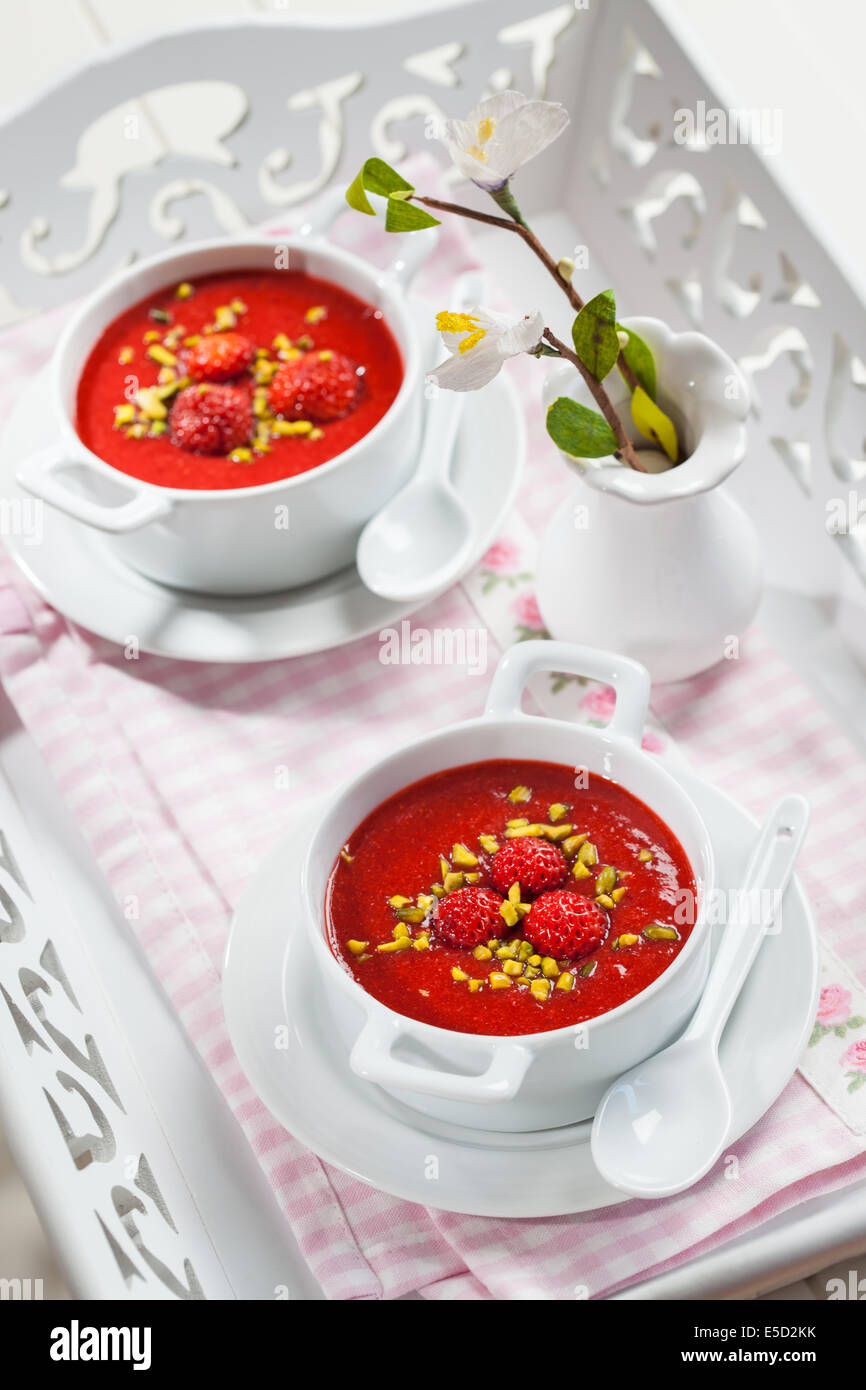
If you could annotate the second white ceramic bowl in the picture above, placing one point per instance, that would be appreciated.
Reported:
(538, 1080)
(236, 541)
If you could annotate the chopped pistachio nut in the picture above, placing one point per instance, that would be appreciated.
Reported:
(125, 355)
(549, 967)
(238, 306)
(587, 854)
(628, 938)
(657, 933)
(645, 857)
(474, 986)
(399, 901)
(606, 901)
(151, 336)
(517, 831)
(488, 843)
(556, 832)
(618, 894)
(411, 914)
(580, 870)
(437, 890)
(530, 972)
(494, 943)
(573, 843)
(401, 944)
(520, 794)
(357, 947)
(458, 974)
(606, 879)
(472, 878)
(346, 857)
(509, 914)
(588, 969)
(159, 315)
(463, 857)
(325, 355)
(482, 953)
(513, 967)
(424, 901)
(514, 893)
(288, 428)
(444, 866)
(224, 317)
(508, 950)
(452, 881)
(565, 981)
(498, 980)
(557, 810)
(524, 950)
(184, 291)
(400, 931)
(535, 960)
(512, 824)
(315, 314)
(421, 942)
(161, 355)
(123, 415)
(241, 456)
(540, 989)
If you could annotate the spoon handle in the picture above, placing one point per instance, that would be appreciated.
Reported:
(753, 912)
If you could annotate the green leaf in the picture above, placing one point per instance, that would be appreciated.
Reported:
(859, 1079)
(357, 198)
(379, 177)
(578, 431)
(653, 423)
(375, 176)
(401, 216)
(594, 334)
(638, 356)
(855, 1021)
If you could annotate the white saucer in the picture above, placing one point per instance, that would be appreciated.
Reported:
(76, 571)
(270, 979)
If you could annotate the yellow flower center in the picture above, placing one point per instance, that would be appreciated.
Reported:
(483, 130)
(449, 322)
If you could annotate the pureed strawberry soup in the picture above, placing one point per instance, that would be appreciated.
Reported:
(498, 898)
(236, 380)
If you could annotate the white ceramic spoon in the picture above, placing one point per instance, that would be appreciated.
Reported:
(663, 1124)
(419, 541)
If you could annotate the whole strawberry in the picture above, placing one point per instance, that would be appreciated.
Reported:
(211, 419)
(319, 386)
(468, 916)
(536, 865)
(565, 925)
(219, 357)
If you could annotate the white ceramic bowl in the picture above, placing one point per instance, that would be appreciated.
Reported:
(228, 541)
(537, 1080)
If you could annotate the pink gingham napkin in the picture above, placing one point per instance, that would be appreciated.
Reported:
(169, 769)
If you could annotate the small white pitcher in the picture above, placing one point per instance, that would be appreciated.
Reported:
(662, 566)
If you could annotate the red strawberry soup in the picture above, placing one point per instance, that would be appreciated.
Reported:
(420, 913)
(243, 332)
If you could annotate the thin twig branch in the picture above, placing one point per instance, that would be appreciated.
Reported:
(603, 401)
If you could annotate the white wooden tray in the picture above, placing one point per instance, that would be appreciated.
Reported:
(98, 168)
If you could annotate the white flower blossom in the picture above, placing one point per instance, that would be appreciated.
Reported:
(500, 135)
(479, 341)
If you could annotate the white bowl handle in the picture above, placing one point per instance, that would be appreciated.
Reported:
(629, 679)
(372, 1058)
(41, 475)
